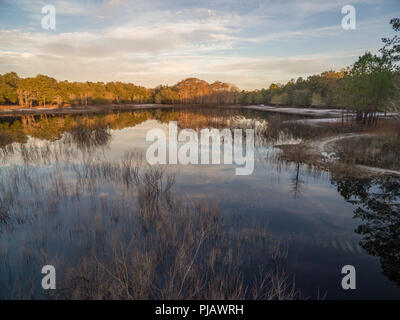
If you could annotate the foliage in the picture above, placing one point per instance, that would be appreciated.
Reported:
(316, 90)
(368, 87)
(378, 209)
(8, 88)
(391, 49)
(44, 91)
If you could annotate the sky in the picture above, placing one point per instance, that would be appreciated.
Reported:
(249, 43)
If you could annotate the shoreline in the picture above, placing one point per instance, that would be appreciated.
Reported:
(316, 115)
(7, 111)
(312, 112)
(317, 147)
(323, 148)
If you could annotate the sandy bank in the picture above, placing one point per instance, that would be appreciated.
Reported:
(323, 149)
(312, 112)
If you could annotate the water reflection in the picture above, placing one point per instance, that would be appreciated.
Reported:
(378, 207)
(51, 128)
(297, 183)
(85, 137)
(73, 187)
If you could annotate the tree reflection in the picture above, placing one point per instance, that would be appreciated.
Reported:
(296, 183)
(378, 205)
(87, 138)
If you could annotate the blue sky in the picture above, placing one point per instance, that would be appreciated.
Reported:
(250, 43)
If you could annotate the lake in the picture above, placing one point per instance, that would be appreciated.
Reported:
(76, 192)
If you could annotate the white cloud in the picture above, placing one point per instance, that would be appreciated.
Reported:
(149, 42)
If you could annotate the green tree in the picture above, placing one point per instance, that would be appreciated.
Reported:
(378, 210)
(391, 49)
(8, 88)
(368, 87)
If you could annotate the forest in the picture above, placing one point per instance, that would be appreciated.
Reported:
(46, 91)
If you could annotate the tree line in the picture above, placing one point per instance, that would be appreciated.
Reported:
(46, 91)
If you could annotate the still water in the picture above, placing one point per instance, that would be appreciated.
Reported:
(61, 197)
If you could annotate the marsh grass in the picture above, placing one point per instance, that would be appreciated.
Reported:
(118, 230)
(279, 127)
(378, 151)
(379, 147)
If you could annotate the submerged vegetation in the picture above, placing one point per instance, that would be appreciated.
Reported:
(377, 204)
(122, 233)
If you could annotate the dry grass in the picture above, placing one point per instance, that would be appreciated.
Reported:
(279, 126)
(379, 151)
(117, 230)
